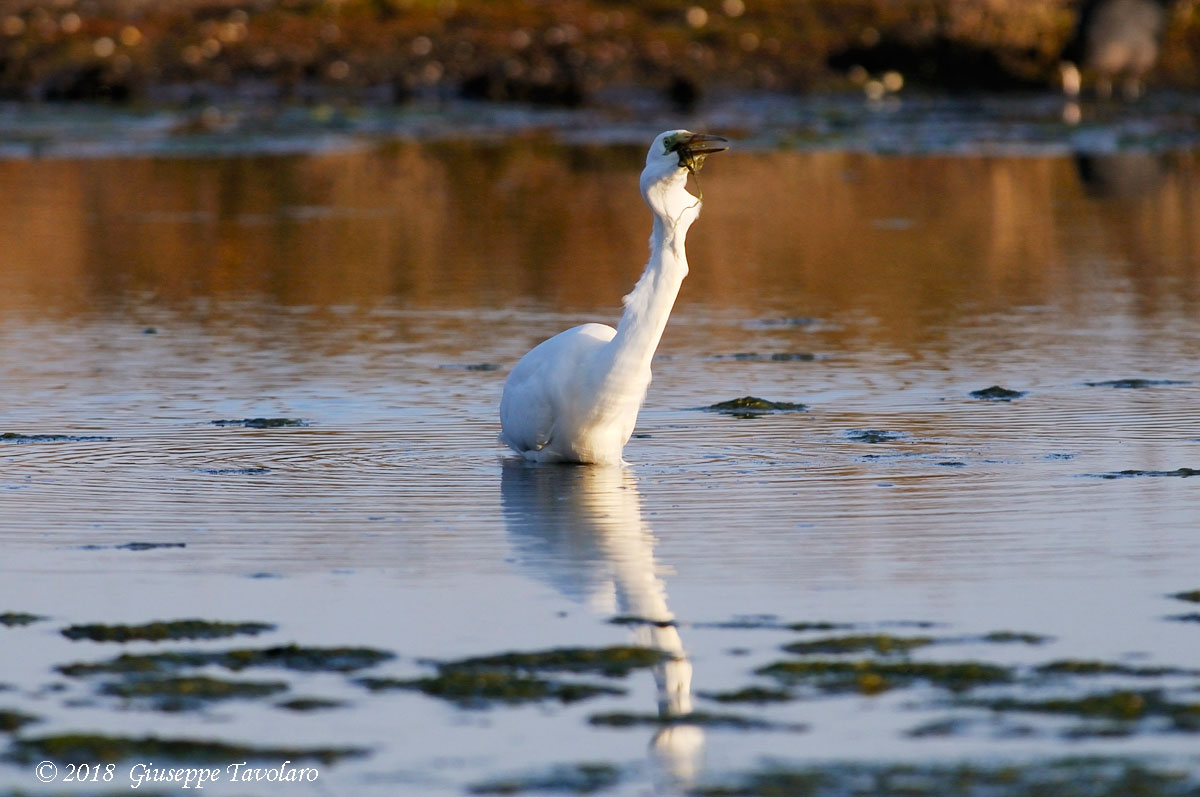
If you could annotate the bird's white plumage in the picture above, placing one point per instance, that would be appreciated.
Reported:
(576, 396)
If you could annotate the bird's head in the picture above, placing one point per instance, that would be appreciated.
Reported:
(672, 157)
(682, 152)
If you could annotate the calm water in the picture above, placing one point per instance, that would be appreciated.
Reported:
(381, 293)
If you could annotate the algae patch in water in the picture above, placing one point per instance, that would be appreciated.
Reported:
(73, 748)
(12, 721)
(873, 677)
(585, 778)
(306, 704)
(1136, 384)
(289, 657)
(1088, 667)
(1073, 777)
(134, 546)
(165, 630)
(750, 694)
(1118, 706)
(996, 393)
(1005, 637)
(189, 693)
(262, 423)
(876, 643)
(777, 357)
(615, 661)
(1184, 618)
(624, 719)
(873, 436)
(483, 688)
(472, 367)
(1182, 473)
(753, 407)
(11, 619)
(1192, 597)
(13, 437)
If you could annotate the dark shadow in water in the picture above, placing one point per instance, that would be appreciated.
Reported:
(581, 530)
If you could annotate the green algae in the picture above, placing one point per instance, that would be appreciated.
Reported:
(753, 407)
(776, 357)
(21, 439)
(1191, 597)
(996, 393)
(484, 688)
(629, 619)
(1182, 473)
(164, 630)
(585, 778)
(871, 677)
(750, 694)
(190, 693)
(875, 643)
(12, 721)
(306, 704)
(873, 436)
(1135, 384)
(1089, 667)
(1072, 777)
(1021, 637)
(1118, 706)
(289, 657)
(11, 619)
(624, 719)
(69, 748)
(262, 423)
(616, 661)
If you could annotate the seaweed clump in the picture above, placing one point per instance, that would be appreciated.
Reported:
(586, 778)
(185, 694)
(882, 644)
(623, 719)
(753, 407)
(750, 694)
(616, 661)
(164, 630)
(11, 721)
(1073, 777)
(996, 393)
(874, 677)
(483, 688)
(1135, 384)
(289, 657)
(1120, 706)
(10, 619)
(262, 423)
(71, 748)
(14, 437)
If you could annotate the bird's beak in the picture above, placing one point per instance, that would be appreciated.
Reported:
(693, 150)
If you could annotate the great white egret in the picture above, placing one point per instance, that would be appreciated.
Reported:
(576, 396)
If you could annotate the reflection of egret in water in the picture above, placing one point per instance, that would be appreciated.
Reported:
(582, 530)
(1121, 174)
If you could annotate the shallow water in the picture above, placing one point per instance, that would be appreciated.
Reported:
(381, 293)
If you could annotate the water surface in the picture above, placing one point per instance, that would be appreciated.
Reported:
(379, 295)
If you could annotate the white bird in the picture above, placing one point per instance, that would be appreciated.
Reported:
(576, 396)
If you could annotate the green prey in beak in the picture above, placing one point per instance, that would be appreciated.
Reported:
(693, 148)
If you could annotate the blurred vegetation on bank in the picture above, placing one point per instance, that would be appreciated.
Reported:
(552, 52)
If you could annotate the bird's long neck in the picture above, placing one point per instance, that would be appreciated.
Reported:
(648, 306)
